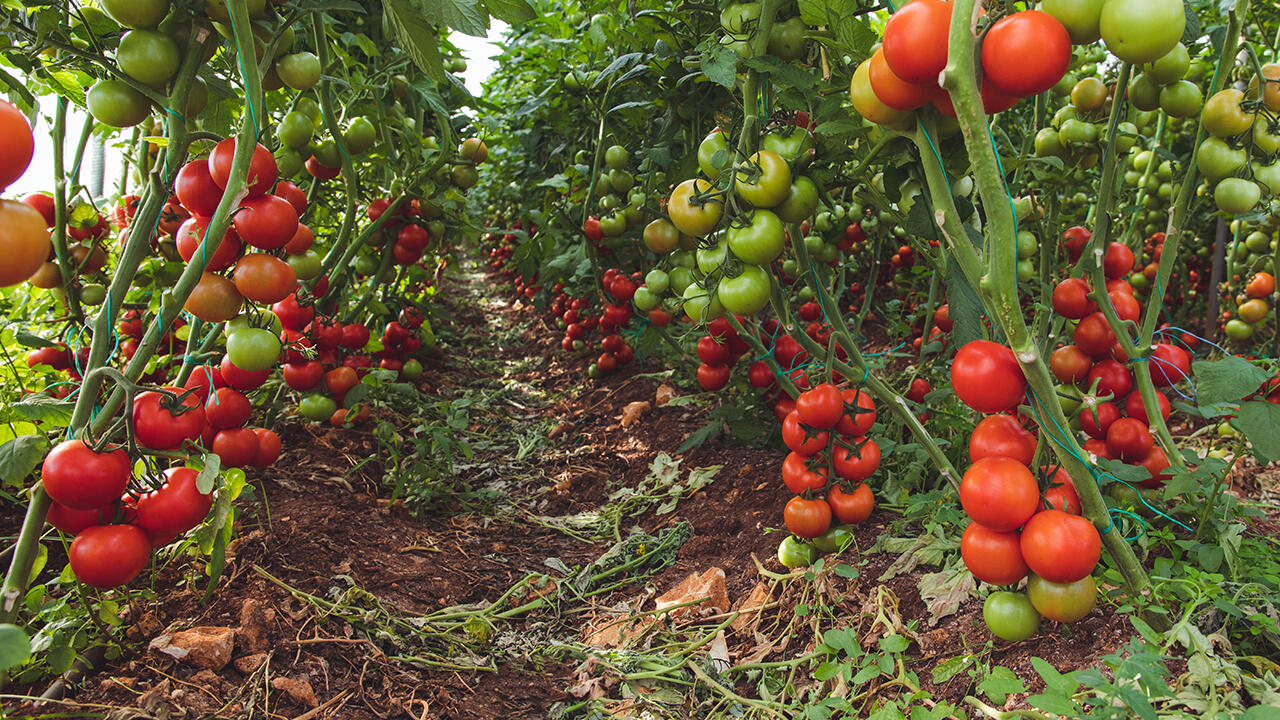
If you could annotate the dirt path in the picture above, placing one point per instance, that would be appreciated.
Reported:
(470, 595)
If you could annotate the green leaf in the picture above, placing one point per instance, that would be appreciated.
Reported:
(66, 85)
(843, 640)
(511, 12)
(719, 64)
(465, 16)
(964, 307)
(789, 74)
(416, 35)
(1258, 421)
(26, 339)
(1226, 380)
(204, 481)
(949, 668)
(1000, 684)
(15, 646)
(1054, 680)
(44, 409)
(19, 457)
(894, 643)
(1055, 704)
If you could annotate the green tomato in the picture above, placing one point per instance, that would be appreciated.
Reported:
(794, 553)
(707, 149)
(466, 176)
(701, 305)
(786, 39)
(795, 144)
(801, 200)
(253, 349)
(1182, 99)
(116, 103)
(148, 56)
(1236, 196)
(1238, 329)
(360, 135)
(1010, 616)
(1268, 175)
(1217, 160)
(1028, 246)
(1141, 31)
(645, 299)
(759, 241)
(711, 257)
(1079, 17)
(137, 13)
(317, 408)
(747, 293)
(308, 265)
(328, 155)
(93, 294)
(289, 162)
(295, 130)
(1048, 143)
(617, 157)
(1144, 93)
(1171, 67)
(411, 370)
(621, 180)
(657, 280)
(836, 539)
(1026, 271)
(1062, 602)
(681, 279)
(764, 180)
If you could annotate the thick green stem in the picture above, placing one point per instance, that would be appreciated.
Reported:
(60, 215)
(999, 285)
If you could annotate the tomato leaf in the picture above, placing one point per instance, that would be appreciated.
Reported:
(15, 646)
(1225, 380)
(416, 35)
(1258, 421)
(719, 63)
(19, 457)
(26, 339)
(1000, 684)
(465, 16)
(44, 409)
(204, 481)
(510, 11)
(964, 307)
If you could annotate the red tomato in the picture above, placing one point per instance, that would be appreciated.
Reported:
(294, 316)
(821, 407)
(800, 439)
(1026, 53)
(856, 463)
(1096, 421)
(262, 168)
(1000, 493)
(1059, 547)
(302, 376)
(1169, 365)
(1061, 494)
(1001, 436)
(267, 222)
(1071, 299)
(1134, 407)
(853, 507)
(1118, 261)
(237, 447)
(1094, 336)
(1156, 462)
(190, 237)
(80, 479)
(713, 352)
(1129, 439)
(713, 377)
(916, 40)
(1070, 365)
(860, 413)
(107, 556)
(993, 557)
(196, 189)
(354, 336)
(241, 379)
(807, 518)
(226, 408)
(759, 375)
(797, 476)
(893, 90)
(1112, 377)
(986, 376)
(173, 509)
(72, 522)
(156, 424)
(1074, 240)
(268, 448)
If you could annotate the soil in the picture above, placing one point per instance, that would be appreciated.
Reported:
(321, 523)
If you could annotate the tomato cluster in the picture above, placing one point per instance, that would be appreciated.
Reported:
(1015, 529)
(1023, 54)
(1093, 369)
(830, 460)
